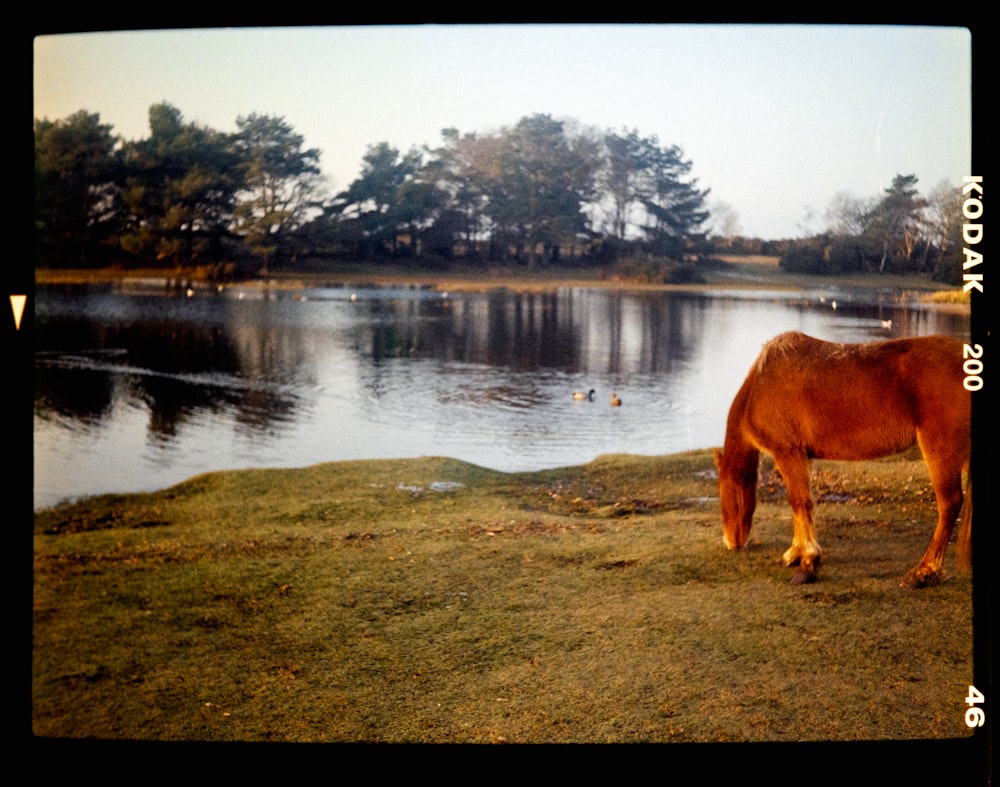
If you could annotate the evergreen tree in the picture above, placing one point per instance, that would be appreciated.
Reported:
(76, 165)
(368, 212)
(538, 184)
(279, 183)
(179, 190)
(644, 187)
(894, 223)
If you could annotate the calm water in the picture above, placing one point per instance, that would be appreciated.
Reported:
(137, 390)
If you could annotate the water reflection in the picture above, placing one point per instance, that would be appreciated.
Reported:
(138, 391)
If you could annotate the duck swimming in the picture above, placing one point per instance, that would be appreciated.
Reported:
(581, 395)
(615, 401)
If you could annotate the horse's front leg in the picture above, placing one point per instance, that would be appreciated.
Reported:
(804, 552)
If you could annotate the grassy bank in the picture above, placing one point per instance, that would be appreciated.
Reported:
(431, 601)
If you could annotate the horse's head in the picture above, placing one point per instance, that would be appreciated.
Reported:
(738, 493)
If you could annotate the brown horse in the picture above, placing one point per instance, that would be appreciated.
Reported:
(808, 399)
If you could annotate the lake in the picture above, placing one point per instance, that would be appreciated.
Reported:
(138, 388)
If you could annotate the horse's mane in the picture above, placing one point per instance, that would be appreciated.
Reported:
(781, 345)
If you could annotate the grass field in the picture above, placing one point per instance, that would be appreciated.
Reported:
(428, 600)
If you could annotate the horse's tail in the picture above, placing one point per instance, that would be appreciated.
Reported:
(965, 531)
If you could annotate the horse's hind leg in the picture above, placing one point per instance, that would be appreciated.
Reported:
(804, 551)
(946, 478)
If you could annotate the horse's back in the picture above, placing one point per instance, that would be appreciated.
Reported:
(923, 362)
(855, 400)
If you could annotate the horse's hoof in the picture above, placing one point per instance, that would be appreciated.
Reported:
(919, 579)
(802, 577)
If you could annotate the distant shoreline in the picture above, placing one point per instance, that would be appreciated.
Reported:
(753, 273)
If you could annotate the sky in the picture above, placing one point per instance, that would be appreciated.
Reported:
(775, 120)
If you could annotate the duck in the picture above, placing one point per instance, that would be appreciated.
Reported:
(615, 401)
(581, 395)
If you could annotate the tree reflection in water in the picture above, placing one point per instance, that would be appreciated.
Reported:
(140, 390)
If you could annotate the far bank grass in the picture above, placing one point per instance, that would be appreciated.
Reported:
(429, 600)
(736, 272)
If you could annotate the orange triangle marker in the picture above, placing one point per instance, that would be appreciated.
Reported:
(17, 304)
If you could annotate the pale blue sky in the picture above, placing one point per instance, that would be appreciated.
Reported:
(776, 120)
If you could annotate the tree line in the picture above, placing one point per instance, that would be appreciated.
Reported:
(898, 231)
(542, 190)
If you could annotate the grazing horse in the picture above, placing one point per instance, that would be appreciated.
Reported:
(808, 399)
